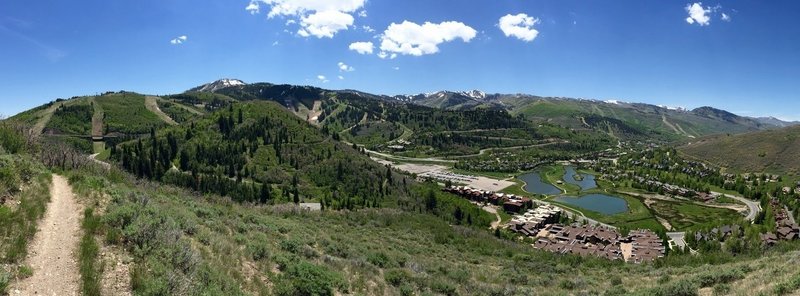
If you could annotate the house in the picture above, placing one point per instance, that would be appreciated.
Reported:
(512, 206)
(769, 239)
(788, 232)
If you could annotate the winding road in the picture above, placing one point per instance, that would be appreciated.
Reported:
(753, 206)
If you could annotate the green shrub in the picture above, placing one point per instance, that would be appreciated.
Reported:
(615, 290)
(305, 278)
(290, 245)
(25, 271)
(91, 270)
(722, 289)
(788, 286)
(257, 247)
(379, 259)
(724, 276)
(566, 284)
(10, 139)
(677, 288)
(443, 287)
(406, 290)
(616, 280)
(397, 277)
(5, 279)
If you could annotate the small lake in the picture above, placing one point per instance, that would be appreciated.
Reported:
(601, 203)
(534, 184)
(586, 183)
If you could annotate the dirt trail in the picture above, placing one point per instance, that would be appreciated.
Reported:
(151, 103)
(54, 249)
(493, 210)
(97, 119)
(38, 128)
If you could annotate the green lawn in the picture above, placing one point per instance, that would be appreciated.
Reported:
(685, 215)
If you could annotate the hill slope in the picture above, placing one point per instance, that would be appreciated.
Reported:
(774, 151)
(666, 123)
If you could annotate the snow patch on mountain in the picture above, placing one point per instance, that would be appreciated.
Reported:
(217, 85)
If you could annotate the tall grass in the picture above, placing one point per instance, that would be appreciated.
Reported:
(91, 270)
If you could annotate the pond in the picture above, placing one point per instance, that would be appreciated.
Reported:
(586, 181)
(534, 184)
(601, 203)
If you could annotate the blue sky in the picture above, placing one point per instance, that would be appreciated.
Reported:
(742, 56)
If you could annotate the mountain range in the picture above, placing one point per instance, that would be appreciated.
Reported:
(620, 119)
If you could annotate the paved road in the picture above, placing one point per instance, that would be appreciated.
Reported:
(104, 164)
(790, 214)
(753, 206)
(678, 237)
(450, 159)
(483, 151)
(403, 158)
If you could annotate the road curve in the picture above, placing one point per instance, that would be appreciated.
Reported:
(753, 206)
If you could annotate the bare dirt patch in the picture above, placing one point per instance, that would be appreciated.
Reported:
(117, 273)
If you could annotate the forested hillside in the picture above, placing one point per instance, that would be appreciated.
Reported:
(257, 152)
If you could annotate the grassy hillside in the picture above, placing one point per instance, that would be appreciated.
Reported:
(659, 122)
(662, 122)
(774, 151)
(126, 113)
(24, 186)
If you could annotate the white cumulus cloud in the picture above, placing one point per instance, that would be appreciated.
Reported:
(362, 47)
(322, 78)
(318, 18)
(178, 40)
(519, 26)
(698, 14)
(341, 77)
(345, 68)
(409, 38)
(725, 17)
(324, 23)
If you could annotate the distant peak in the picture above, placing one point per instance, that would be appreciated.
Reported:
(217, 85)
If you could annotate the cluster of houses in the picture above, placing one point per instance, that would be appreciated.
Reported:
(665, 187)
(786, 228)
(638, 247)
(531, 222)
(721, 233)
(749, 179)
(510, 202)
(542, 223)
(790, 190)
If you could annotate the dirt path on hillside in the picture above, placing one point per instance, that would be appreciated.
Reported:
(53, 252)
(38, 128)
(151, 103)
(97, 119)
(493, 210)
